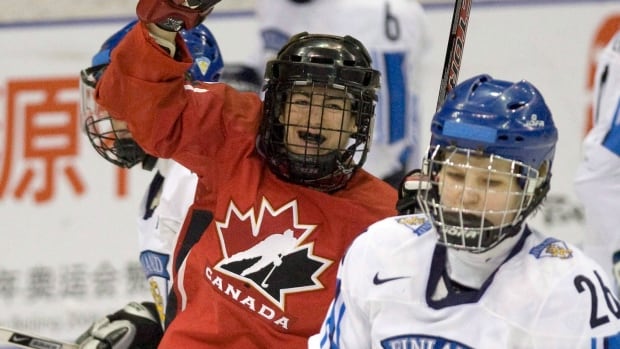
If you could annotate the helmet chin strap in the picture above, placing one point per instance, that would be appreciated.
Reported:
(467, 232)
(148, 163)
(310, 168)
(128, 152)
(473, 269)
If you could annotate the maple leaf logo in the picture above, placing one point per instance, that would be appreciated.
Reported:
(268, 250)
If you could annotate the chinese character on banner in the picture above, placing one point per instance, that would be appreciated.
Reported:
(8, 284)
(41, 131)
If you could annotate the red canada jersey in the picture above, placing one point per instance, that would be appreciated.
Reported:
(263, 272)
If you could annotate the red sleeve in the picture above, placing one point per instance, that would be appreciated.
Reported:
(168, 116)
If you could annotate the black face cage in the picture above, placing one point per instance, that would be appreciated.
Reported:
(111, 139)
(320, 168)
(114, 145)
(477, 229)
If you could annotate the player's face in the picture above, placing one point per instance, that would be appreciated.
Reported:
(95, 117)
(480, 185)
(110, 129)
(120, 128)
(317, 120)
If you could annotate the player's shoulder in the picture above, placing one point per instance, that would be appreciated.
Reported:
(370, 191)
(558, 279)
(614, 44)
(561, 279)
(611, 54)
(393, 232)
(391, 245)
(543, 265)
(364, 179)
(553, 252)
(417, 222)
(552, 267)
(551, 259)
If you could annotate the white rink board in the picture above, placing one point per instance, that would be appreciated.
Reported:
(59, 252)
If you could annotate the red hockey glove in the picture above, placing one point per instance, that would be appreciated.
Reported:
(174, 15)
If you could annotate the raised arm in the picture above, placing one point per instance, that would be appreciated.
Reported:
(145, 85)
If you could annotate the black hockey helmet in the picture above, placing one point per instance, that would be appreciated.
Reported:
(323, 66)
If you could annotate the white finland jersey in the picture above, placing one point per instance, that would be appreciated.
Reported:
(161, 215)
(395, 34)
(547, 295)
(598, 177)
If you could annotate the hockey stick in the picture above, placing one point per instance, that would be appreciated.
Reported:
(33, 341)
(454, 50)
(407, 202)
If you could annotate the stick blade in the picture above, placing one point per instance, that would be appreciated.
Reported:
(22, 339)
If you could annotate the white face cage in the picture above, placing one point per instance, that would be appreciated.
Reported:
(475, 200)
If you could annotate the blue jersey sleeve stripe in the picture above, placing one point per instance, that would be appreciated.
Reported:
(612, 342)
(612, 138)
(609, 342)
(332, 322)
(395, 78)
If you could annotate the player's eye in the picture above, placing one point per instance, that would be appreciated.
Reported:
(300, 102)
(456, 176)
(333, 106)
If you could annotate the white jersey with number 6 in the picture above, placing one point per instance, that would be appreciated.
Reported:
(395, 33)
(597, 182)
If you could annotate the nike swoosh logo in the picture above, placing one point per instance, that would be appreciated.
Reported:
(378, 281)
(17, 338)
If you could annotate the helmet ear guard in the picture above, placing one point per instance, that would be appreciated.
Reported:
(412, 183)
(539, 188)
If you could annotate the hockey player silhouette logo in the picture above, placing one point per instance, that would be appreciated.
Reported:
(278, 260)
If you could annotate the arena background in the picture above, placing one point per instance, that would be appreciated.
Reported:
(68, 252)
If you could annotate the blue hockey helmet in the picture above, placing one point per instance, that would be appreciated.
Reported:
(503, 122)
(241, 77)
(111, 138)
(498, 117)
(208, 62)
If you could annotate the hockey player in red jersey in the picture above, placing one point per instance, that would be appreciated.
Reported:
(166, 199)
(281, 192)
